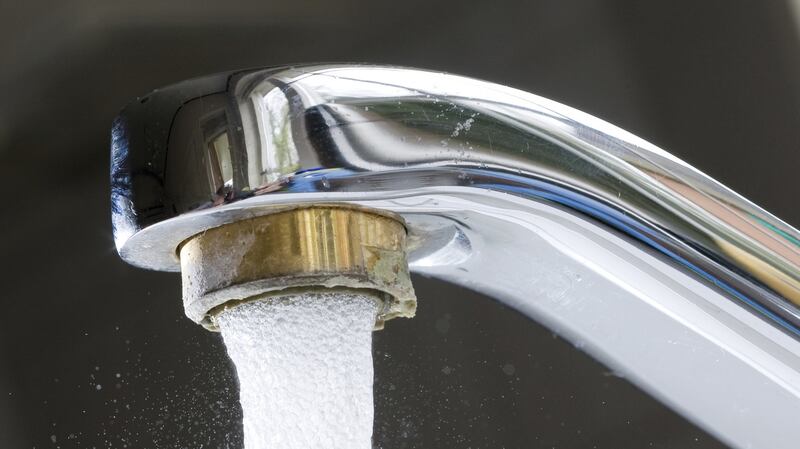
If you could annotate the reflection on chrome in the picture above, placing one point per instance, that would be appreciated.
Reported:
(655, 269)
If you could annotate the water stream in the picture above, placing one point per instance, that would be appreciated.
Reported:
(305, 369)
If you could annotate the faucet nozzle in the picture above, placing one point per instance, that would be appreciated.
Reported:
(298, 248)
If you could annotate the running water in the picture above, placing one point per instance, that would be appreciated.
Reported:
(305, 369)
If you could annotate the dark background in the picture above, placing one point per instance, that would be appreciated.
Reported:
(94, 353)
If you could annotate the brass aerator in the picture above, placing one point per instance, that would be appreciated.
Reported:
(298, 249)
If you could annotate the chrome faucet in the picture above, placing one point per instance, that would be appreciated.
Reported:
(653, 268)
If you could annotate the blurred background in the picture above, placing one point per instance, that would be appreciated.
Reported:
(97, 354)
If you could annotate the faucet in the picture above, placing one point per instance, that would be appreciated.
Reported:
(671, 279)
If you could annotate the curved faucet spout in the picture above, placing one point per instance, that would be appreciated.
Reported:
(657, 270)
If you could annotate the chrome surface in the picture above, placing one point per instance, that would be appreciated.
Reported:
(655, 269)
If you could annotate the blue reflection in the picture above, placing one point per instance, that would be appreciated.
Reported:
(321, 180)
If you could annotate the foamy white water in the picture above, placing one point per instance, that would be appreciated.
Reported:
(305, 369)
